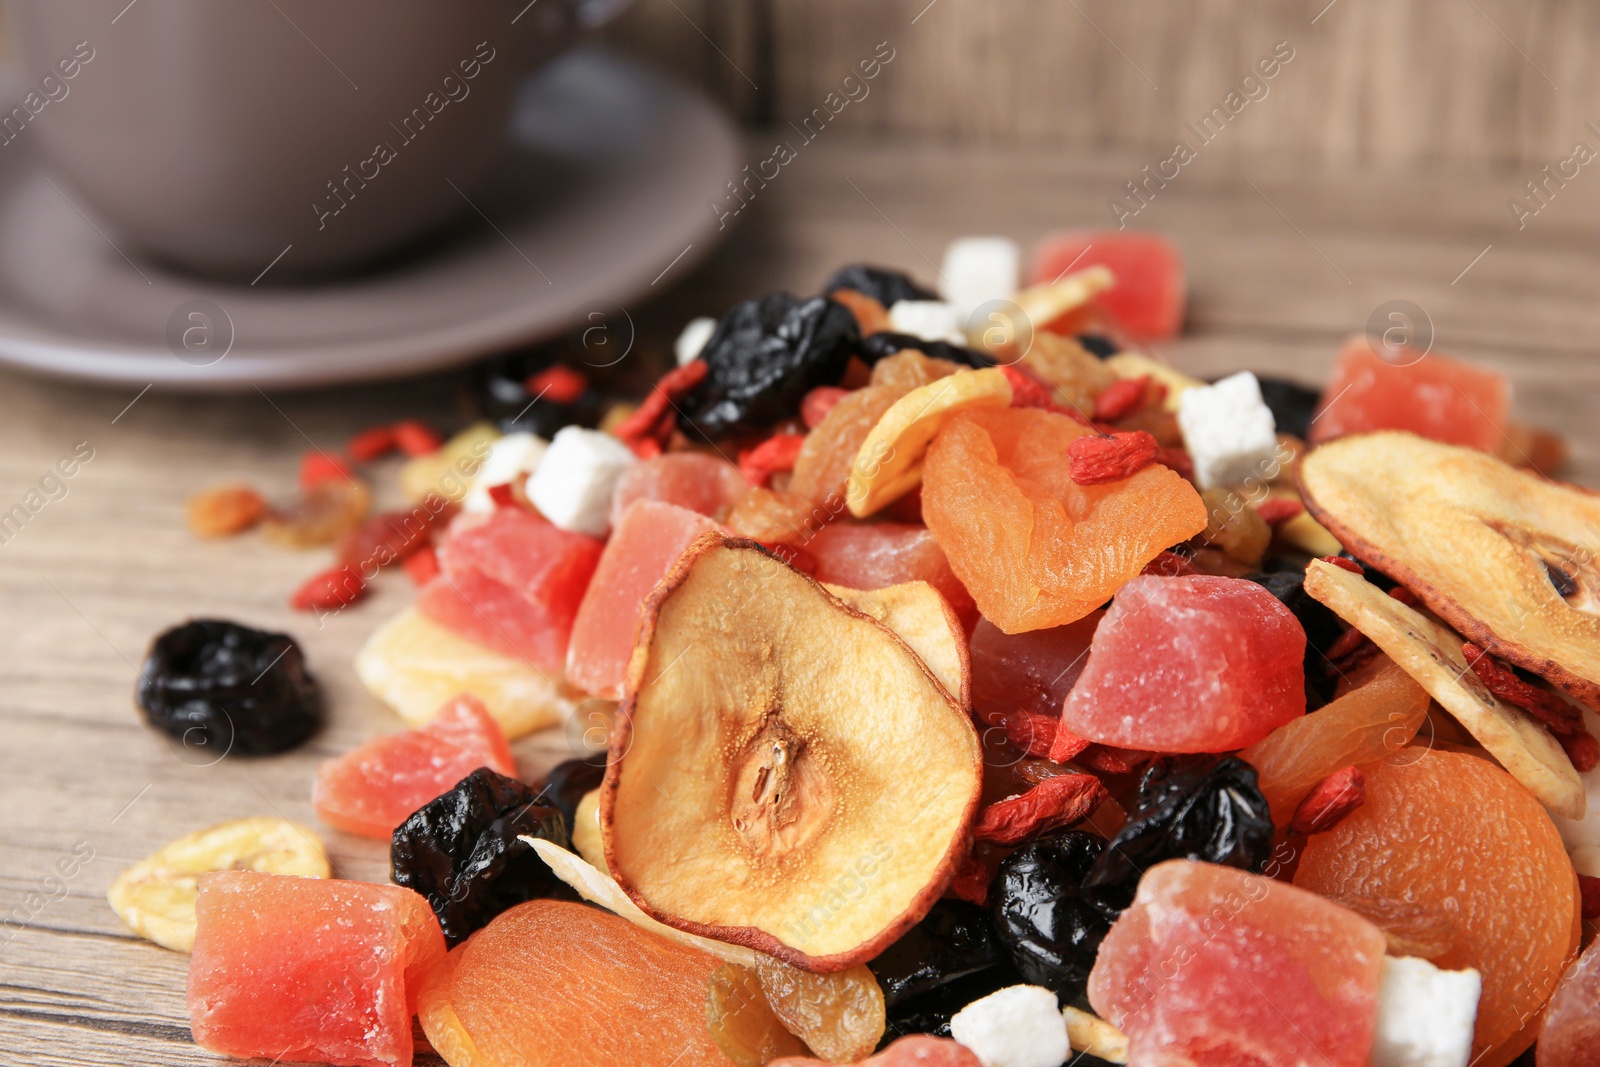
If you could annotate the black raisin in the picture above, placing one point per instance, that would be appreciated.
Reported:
(228, 689)
(763, 358)
(884, 344)
(1050, 924)
(567, 783)
(953, 940)
(1098, 344)
(885, 286)
(1321, 625)
(505, 400)
(1293, 405)
(1196, 808)
(460, 851)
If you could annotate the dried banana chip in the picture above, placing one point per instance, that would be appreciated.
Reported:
(1093, 1035)
(156, 896)
(1432, 655)
(889, 463)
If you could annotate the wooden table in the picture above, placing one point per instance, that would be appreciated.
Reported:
(1282, 266)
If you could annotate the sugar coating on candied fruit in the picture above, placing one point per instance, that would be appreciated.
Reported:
(1034, 548)
(1215, 966)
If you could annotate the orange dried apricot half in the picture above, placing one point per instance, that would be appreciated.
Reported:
(1033, 547)
(1454, 833)
(785, 772)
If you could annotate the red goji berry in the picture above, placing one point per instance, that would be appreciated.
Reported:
(417, 438)
(1345, 563)
(1278, 510)
(388, 538)
(1067, 745)
(817, 403)
(1406, 597)
(1346, 643)
(645, 447)
(332, 588)
(1053, 803)
(318, 467)
(1589, 895)
(1028, 730)
(654, 416)
(1028, 391)
(1582, 749)
(972, 879)
(1329, 801)
(1177, 459)
(504, 495)
(422, 566)
(557, 383)
(1120, 398)
(1100, 460)
(1170, 565)
(1108, 760)
(793, 555)
(776, 453)
(372, 444)
(1562, 718)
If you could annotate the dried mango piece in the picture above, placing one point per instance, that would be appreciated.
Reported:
(888, 464)
(1432, 655)
(156, 896)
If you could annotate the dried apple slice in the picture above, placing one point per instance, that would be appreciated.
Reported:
(1432, 655)
(888, 464)
(925, 621)
(1507, 558)
(785, 772)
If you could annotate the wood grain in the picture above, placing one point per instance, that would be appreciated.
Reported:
(1483, 82)
(1283, 264)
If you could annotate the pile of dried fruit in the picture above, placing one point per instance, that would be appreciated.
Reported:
(974, 688)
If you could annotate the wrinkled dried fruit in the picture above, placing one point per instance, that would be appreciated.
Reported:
(1432, 655)
(321, 514)
(802, 781)
(1120, 398)
(955, 939)
(1198, 809)
(1052, 804)
(1556, 714)
(526, 392)
(765, 355)
(882, 346)
(1048, 921)
(1235, 527)
(156, 896)
(777, 453)
(224, 511)
(888, 464)
(461, 851)
(391, 536)
(822, 468)
(887, 287)
(1410, 929)
(224, 689)
(815, 407)
(1100, 460)
(1329, 801)
(741, 1021)
(912, 369)
(569, 782)
(414, 665)
(1074, 375)
(336, 587)
(774, 517)
(839, 1016)
(318, 466)
(1475, 539)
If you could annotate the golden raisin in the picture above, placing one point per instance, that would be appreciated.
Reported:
(840, 1016)
(224, 510)
(1234, 526)
(320, 515)
(741, 1021)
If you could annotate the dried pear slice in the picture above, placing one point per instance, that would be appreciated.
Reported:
(156, 896)
(785, 772)
(1507, 558)
(888, 464)
(925, 621)
(1432, 655)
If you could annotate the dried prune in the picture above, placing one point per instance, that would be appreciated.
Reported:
(1293, 405)
(1049, 923)
(228, 689)
(763, 358)
(930, 1012)
(507, 402)
(1322, 627)
(884, 344)
(1198, 808)
(953, 940)
(883, 285)
(567, 783)
(1097, 344)
(460, 851)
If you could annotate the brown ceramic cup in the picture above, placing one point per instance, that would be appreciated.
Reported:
(311, 135)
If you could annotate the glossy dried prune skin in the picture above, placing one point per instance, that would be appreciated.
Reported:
(1198, 808)
(953, 940)
(763, 358)
(1049, 923)
(1322, 627)
(883, 344)
(567, 783)
(506, 402)
(883, 285)
(1293, 405)
(223, 688)
(460, 851)
(930, 1012)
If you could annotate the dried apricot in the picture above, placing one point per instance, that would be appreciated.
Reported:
(1454, 832)
(224, 511)
(823, 465)
(1034, 548)
(774, 517)
(910, 370)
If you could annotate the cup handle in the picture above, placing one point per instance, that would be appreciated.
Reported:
(592, 14)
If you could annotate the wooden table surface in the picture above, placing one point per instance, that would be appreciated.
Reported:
(1282, 265)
